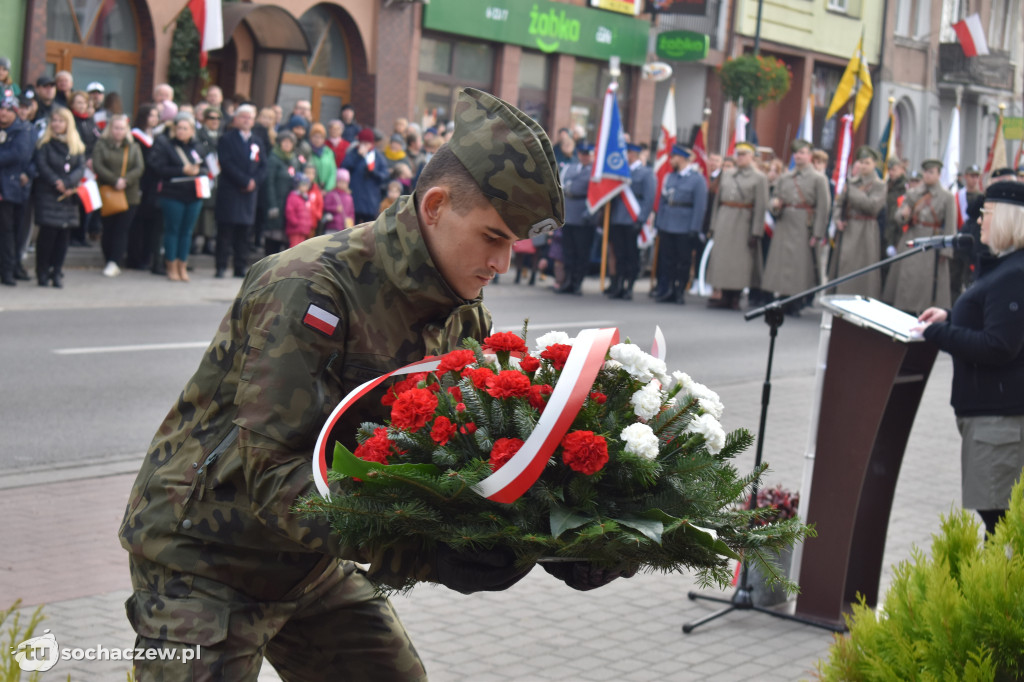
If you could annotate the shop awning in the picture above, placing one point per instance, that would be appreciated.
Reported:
(272, 27)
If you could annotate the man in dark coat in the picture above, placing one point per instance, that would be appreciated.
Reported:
(369, 173)
(17, 143)
(243, 164)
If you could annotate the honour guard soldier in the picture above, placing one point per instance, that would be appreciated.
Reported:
(922, 281)
(219, 557)
(684, 197)
(624, 229)
(857, 234)
(737, 226)
(580, 225)
(800, 205)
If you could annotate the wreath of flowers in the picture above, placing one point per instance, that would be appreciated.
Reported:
(641, 479)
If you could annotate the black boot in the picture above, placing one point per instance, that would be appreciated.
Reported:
(19, 273)
(58, 279)
(615, 290)
(667, 297)
(627, 291)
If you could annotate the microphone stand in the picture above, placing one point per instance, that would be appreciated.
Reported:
(742, 599)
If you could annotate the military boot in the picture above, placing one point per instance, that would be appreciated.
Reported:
(615, 289)
(627, 291)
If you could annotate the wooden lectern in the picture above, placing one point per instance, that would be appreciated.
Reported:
(874, 376)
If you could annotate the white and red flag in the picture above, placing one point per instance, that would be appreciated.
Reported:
(89, 193)
(843, 148)
(321, 320)
(209, 21)
(666, 140)
(609, 175)
(739, 133)
(700, 152)
(971, 35)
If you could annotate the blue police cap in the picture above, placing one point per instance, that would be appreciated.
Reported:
(679, 150)
(633, 147)
(583, 147)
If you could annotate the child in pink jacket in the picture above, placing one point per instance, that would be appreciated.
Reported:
(338, 205)
(298, 216)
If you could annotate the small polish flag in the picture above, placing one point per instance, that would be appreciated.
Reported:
(320, 320)
(203, 187)
(209, 20)
(371, 160)
(89, 194)
(971, 35)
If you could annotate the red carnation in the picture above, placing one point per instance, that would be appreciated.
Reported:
(557, 354)
(376, 448)
(598, 397)
(456, 361)
(503, 450)
(584, 452)
(401, 387)
(456, 393)
(478, 376)
(460, 407)
(537, 396)
(505, 341)
(468, 428)
(442, 431)
(509, 384)
(413, 409)
(529, 364)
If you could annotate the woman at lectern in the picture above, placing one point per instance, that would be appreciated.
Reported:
(985, 335)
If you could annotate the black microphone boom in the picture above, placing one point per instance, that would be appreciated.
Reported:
(961, 242)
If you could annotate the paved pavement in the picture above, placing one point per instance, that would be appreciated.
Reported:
(61, 550)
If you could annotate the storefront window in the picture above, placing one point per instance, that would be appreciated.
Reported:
(445, 66)
(96, 40)
(322, 77)
(533, 86)
(590, 80)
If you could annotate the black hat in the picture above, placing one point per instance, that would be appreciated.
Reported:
(1002, 172)
(929, 164)
(27, 96)
(45, 80)
(1005, 193)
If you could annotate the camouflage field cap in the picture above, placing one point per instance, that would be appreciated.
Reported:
(512, 160)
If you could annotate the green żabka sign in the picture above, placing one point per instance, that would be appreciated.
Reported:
(545, 26)
(682, 46)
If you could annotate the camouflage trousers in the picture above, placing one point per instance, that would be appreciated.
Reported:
(334, 628)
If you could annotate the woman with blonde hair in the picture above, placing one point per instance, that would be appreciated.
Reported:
(985, 335)
(60, 164)
(117, 162)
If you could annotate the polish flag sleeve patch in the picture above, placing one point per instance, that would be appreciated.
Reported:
(321, 320)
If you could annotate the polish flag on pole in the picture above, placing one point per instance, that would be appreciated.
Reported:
(209, 20)
(951, 159)
(89, 193)
(739, 132)
(666, 140)
(700, 152)
(971, 35)
(843, 153)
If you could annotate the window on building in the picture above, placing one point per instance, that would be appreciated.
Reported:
(323, 76)
(924, 19)
(445, 66)
(96, 41)
(849, 7)
(952, 12)
(903, 9)
(1003, 24)
(533, 86)
(590, 80)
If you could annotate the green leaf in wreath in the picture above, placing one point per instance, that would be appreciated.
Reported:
(349, 465)
(563, 519)
(706, 538)
(649, 528)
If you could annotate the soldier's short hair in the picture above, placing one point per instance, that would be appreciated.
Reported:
(445, 170)
(819, 155)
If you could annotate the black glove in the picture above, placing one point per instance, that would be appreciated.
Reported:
(583, 575)
(488, 570)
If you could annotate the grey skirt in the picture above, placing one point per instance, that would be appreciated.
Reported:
(991, 458)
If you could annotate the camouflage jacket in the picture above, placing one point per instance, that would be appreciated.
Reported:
(215, 493)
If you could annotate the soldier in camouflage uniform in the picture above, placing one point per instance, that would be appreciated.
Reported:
(218, 557)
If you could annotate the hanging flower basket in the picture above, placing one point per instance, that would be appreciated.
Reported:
(755, 78)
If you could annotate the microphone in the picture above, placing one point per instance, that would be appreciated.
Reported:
(960, 242)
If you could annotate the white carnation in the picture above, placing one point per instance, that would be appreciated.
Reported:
(550, 338)
(714, 435)
(612, 364)
(678, 379)
(639, 364)
(647, 401)
(708, 400)
(640, 440)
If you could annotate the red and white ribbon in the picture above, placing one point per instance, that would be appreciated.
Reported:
(508, 483)
(659, 348)
(524, 468)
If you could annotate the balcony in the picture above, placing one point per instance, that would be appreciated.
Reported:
(993, 70)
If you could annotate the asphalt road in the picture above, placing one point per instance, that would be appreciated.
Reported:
(90, 371)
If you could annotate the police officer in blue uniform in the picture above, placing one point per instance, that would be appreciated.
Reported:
(580, 224)
(684, 198)
(624, 230)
